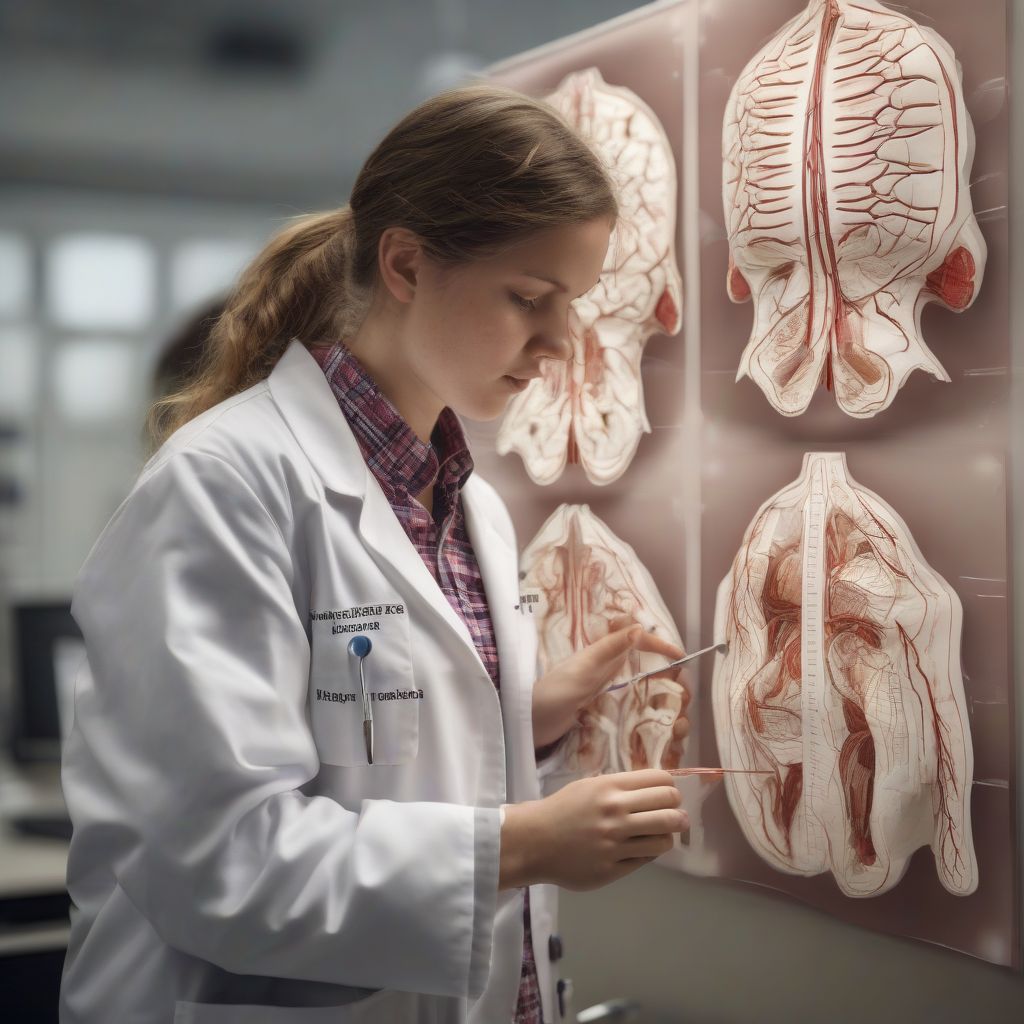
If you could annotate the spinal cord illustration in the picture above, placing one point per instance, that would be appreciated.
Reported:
(847, 154)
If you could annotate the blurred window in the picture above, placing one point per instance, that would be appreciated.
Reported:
(204, 268)
(93, 289)
(101, 282)
(19, 382)
(96, 380)
(15, 276)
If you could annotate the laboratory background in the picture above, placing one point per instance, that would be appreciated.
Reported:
(148, 151)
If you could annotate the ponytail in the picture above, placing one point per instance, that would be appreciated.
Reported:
(300, 285)
(471, 172)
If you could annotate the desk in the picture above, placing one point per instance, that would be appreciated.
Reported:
(31, 867)
(32, 871)
(34, 925)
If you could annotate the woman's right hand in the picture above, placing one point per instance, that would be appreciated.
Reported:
(591, 831)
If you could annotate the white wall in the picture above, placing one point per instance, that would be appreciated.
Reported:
(732, 954)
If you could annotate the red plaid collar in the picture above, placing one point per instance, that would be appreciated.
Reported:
(402, 463)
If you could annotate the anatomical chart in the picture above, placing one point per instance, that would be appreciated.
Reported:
(581, 577)
(590, 411)
(842, 691)
(847, 152)
(863, 771)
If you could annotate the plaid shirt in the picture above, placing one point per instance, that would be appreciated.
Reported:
(405, 466)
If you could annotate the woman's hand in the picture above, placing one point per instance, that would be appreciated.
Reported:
(573, 683)
(591, 831)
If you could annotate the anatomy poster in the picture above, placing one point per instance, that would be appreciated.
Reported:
(589, 411)
(582, 576)
(930, 461)
(847, 151)
(840, 697)
(835, 354)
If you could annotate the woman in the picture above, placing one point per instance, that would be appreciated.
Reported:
(301, 788)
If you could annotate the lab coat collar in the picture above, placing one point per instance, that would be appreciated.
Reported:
(300, 390)
(308, 405)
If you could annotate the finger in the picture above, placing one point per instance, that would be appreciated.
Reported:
(663, 821)
(645, 846)
(620, 622)
(614, 645)
(655, 798)
(641, 778)
(658, 644)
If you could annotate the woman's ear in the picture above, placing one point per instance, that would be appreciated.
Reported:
(400, 261)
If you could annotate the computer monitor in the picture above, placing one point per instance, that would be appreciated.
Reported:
(49, 653)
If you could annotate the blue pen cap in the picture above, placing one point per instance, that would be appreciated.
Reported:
(360, 646)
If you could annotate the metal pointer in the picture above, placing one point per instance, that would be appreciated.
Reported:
(723, 647)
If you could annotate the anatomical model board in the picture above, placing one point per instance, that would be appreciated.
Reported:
(876, 352)
(929, 444)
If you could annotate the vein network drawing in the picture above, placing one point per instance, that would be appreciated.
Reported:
(843, 679)
(590, 411)
(584, 576)
(847, 154)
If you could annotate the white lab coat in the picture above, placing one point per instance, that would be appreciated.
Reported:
(235, 858)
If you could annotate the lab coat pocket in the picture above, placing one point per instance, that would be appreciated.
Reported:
(384, 1005)
(379, 632)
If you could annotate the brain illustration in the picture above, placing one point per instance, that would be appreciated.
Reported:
(590, 411)
(847, 153)
(842, 684)
(584, 577)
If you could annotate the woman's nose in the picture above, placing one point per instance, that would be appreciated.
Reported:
(555, 344)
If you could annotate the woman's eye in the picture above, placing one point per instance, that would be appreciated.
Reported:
(524, 303)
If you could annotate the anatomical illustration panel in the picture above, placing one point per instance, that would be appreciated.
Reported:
(582, 577)
(590, 410)
(842, 689)
(847, 153)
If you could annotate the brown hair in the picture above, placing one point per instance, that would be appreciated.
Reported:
(470, 171)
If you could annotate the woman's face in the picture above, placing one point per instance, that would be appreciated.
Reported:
(466, 331)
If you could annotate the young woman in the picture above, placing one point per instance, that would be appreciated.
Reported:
(303, 768)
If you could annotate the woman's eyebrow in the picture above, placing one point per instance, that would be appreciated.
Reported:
(547, 280)
(558, 284)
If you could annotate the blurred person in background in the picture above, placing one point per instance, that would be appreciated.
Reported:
(304, 780)
(179, 360)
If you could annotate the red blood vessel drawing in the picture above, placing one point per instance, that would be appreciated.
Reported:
(847, 153)
(590, 410)
(583, 576)
(843, 680)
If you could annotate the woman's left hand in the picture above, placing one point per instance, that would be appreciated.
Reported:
(571, 684)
